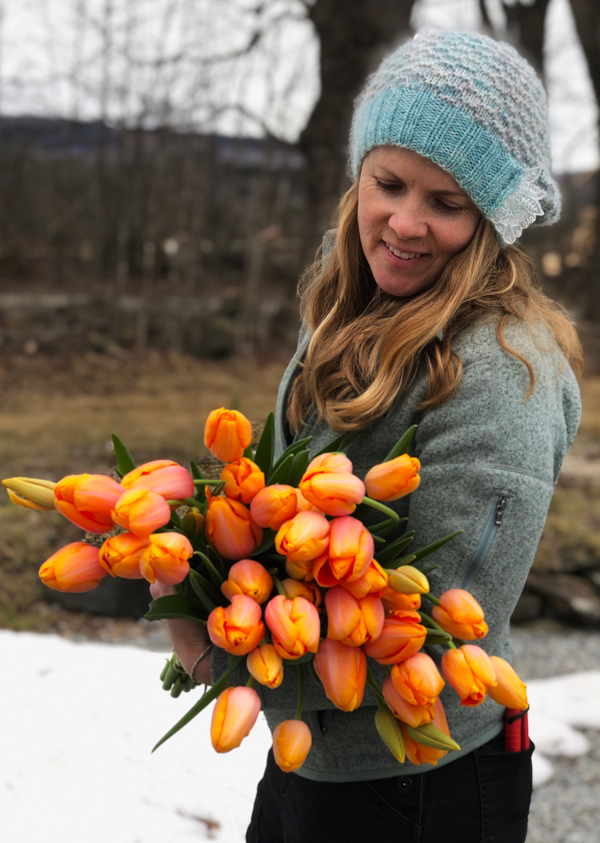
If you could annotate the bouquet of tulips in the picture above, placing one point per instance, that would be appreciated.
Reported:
(274, 558)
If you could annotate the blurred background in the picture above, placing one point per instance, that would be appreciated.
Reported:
(167, 170)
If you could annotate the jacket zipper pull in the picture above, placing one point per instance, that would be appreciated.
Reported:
(500, 507)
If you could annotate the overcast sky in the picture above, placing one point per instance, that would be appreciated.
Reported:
(154, 59)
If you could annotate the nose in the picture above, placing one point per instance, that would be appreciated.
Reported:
(407, 220)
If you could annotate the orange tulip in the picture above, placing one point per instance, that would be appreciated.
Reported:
(141, 511)
(374, 581)
(273, 506)
(328, 483)
(73, 568)
(31, 492)
(510, 691)
(166, 558)
(292, 741)
(402, 636)
(120, 555)
(248, 577)
(234, 715)
(419, 753)
(417, 679)
(343, 672)
(230, 529)
(352, 621)
(460, 615)
(298, 588)
(165, 477)
(303, 504)
(294, 625)
(88, 500)
(238, 628)
(351, 548)
(266, 665)
(408, 580)
(303, 538)
(391, 480)
(243, 479)
(470, 672)
(414, 715)
(301, 571)
(227, 434)
(394, 600)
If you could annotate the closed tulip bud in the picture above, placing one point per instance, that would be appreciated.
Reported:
(273, 506)
(302, 571)
(460, 615)
(510, 691)
(297, 588)
(413, 715)
(74, 568)
(243, 479)
(227, 434)
(343, 672)
(141, 511)
(166, 558)
(292, 741)
(303, 504)
(351, 548)
(31, 492)
(165, 477)
(374, 581)
(328, 483)
(87, 500)
(405, 602)
(120, 555)
(193, 522)
(408, 580)
(266, 665)
(352, 621)
(230, 528)
(393, 479)
(390, 732)
(238, 628)
(248, 577)
(303, 538)
(417, 679)
(470, 672)
(294, 625)
(419, 753)
(234, 715)
(402, 636)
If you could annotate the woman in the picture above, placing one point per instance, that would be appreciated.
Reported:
(420, 311)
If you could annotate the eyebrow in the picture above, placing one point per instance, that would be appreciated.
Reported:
(457, 192)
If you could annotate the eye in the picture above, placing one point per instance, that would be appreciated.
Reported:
(389, 186)
(448, 209)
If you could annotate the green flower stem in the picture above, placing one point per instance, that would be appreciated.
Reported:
(184, 502)
(298, 714)
(431, 597)
(393, 517)
(207, 482)
(376, 689)
(429, 621)
(279, 586)
(250, 682)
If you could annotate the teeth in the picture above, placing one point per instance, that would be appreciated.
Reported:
(404, 255)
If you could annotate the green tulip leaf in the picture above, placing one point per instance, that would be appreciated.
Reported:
(431, 548)
(282, 470)
(125, 462)
(402, 445)
(171, 606)
(265, 450)
(299, 466)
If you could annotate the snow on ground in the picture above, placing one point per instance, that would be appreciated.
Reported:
(79, 721)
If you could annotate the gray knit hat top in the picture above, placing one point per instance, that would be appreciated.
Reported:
(476, 108)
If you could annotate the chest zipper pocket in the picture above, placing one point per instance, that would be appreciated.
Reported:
(493, 522)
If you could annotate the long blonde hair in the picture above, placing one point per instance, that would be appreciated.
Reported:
(367, 345)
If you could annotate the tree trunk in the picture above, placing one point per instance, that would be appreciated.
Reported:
(526, 23)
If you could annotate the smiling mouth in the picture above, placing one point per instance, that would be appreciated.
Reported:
(405, 256)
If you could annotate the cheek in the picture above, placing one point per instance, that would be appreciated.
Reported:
(456, 236)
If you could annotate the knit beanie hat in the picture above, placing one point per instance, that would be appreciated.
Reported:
(476, 108)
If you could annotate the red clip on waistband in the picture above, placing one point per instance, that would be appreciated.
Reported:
(516, 730)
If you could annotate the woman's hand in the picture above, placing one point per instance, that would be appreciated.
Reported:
(189, 639)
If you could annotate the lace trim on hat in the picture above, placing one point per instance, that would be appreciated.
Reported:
(520, 208)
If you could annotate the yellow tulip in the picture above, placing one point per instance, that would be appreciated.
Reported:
(408, 580)
(31, 492)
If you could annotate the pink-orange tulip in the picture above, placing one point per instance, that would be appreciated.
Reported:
(303, 504)
(303, 538)
(165, 477)
(419, 753)
(510, 691)
(227, 434)
(166, 558)
(73, 568)
(328, 483)
(300, 570)
(141, 511)
(470, 672)
(343, 672)
(230, 528)
(294, 625)
(352, 621)
(266, 665)
(292, 741)
(417, 679)
(351, 548)
(374, 581)
(243, 479)
(460, 615)
(391, 480)
(248, 577)
(234, 715)
(31, 492)
(88, 500)
(413, 715)
(405, 602)
(238, 628)
(273, 506)
(120, 555)
(402, 636)
(298, 588)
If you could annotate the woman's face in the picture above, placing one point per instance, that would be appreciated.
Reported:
(412, 218)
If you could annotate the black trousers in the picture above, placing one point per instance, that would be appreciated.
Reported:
(481, 798)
